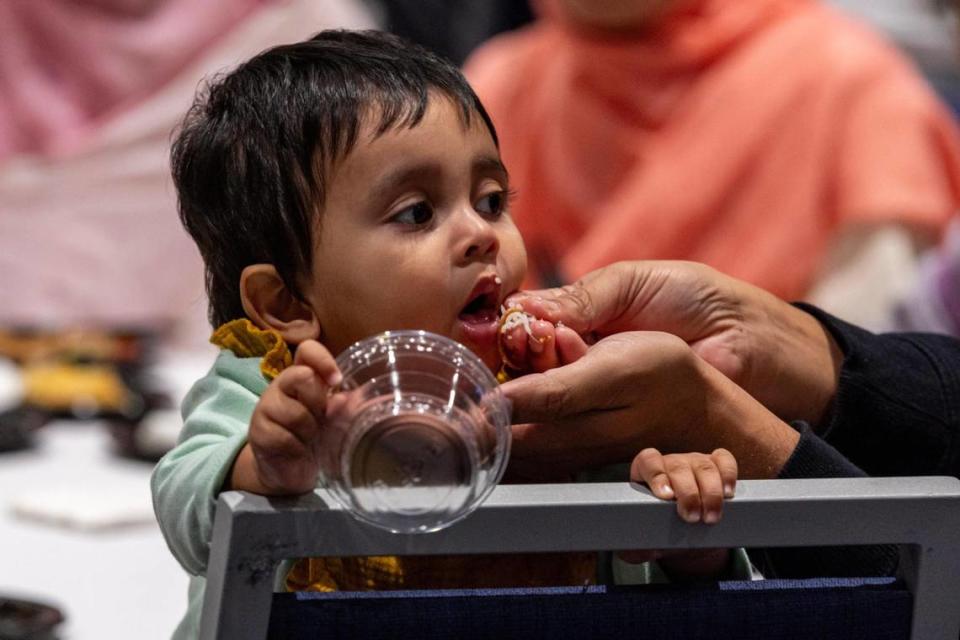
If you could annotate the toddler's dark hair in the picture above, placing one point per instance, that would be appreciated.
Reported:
(250, 158)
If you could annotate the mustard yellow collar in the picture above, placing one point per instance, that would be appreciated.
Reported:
(246, 340)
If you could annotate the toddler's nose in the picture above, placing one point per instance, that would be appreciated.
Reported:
(478, 239)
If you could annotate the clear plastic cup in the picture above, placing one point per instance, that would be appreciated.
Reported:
(418, 435)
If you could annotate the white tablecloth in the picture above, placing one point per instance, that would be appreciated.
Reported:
(119, 583)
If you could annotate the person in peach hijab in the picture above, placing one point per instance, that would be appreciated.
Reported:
(773, 139)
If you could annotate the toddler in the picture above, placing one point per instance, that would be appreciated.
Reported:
(338, 188)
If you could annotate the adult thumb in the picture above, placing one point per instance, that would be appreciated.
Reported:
(558, 394)
(594, 304)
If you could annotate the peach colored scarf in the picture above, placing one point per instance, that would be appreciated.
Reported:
(740, 133)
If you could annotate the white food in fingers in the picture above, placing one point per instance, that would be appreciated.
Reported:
(514, 317)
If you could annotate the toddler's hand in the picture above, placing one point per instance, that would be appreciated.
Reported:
(697, 481)
(283, 455)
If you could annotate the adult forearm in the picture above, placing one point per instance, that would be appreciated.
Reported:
(600, 411)
(791, 362)
(759, 440)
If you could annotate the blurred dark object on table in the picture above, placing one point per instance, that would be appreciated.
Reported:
(28, 620)
(80, 373)
(25, 345)
(17, 425)
(149, 435)
(454, 29)
(83, 374)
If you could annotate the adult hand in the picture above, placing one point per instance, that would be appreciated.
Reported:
(777, 352)
(634, 390)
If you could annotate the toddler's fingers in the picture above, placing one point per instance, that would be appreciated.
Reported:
(711, 488)
(727, 465)
(316, 356)
(283, 402)
(314, 390)
(648, 467)
(513, 348)
(685, 486)
(570, 345)
(313, 393)
(542, 346)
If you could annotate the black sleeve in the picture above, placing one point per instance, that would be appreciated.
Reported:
(897, 407)
(814, 458)
(896, 412)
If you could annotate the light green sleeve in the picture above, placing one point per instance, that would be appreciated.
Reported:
(187, 480)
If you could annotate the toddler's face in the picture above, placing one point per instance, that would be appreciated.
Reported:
(415, 235)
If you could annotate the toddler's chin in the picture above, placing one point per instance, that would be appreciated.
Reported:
(491, 358)
(484, 346)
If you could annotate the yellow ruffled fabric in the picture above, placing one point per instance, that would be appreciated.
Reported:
(384, 573)
(380, 573)
(246, 340)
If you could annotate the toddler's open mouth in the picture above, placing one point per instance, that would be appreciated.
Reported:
(483, 304)
(481, 309)
(479, 319)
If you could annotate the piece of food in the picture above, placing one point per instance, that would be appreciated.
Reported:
(514, 317)
(509, 319)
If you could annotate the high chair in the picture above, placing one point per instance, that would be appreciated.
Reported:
(252, 534)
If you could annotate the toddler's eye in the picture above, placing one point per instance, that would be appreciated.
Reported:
(417, 215)
(492, 204)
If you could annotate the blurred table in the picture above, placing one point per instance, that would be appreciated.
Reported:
(113, 582)
(110, 583)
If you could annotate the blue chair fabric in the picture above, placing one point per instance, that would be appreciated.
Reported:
(822, 609)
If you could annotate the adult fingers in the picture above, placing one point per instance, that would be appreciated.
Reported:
(564, 392)
(611, 374)
(592, 303)
(570, 346)
(554, 395)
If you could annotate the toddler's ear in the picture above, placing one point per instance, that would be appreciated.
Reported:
(271, 305)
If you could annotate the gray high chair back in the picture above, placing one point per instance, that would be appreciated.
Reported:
(252, 534)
